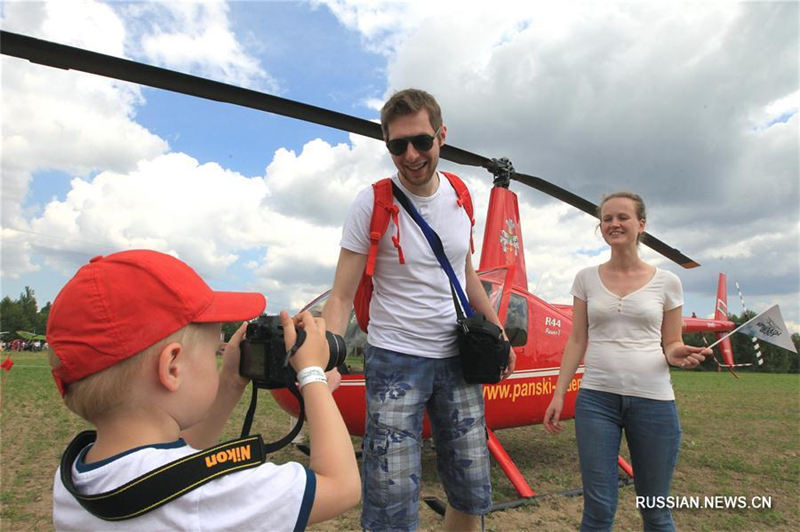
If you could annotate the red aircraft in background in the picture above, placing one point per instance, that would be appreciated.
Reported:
(538, 332)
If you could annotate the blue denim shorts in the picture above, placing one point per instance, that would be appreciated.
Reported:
(399, 389)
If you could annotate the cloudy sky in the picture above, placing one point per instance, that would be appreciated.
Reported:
(693, 105)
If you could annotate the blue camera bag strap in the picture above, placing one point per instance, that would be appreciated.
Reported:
(438, 250)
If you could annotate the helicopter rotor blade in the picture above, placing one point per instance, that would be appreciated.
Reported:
(590, 208)
(557, 192)
(69, 57)
(668, 251)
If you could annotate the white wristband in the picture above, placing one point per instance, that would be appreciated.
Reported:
(310, 374)
(309, 380)
(308, 370)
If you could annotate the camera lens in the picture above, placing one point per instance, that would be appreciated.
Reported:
(337, 350)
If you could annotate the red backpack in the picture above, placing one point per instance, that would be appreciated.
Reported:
(384, 209)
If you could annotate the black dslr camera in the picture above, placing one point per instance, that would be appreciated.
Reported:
(264, 359)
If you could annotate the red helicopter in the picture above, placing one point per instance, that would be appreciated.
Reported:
(538, 330)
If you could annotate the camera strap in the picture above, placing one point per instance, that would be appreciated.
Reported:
(168, 482)
(251, 410)
(438, 250)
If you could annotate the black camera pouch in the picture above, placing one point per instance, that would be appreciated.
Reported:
(483, 351)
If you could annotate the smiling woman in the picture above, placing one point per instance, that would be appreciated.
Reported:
(617, 219)
(627, 329)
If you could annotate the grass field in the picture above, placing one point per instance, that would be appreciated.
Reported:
(741, 438)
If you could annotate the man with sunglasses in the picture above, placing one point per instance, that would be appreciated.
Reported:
(411, 364)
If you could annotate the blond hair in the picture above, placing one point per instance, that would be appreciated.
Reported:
(96, 395)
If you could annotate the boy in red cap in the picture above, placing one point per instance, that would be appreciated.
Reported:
(134, 338)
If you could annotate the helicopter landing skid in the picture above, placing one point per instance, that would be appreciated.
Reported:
(526, 494)
(438, 506)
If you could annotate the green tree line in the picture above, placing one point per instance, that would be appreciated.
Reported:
(22, 314)
(776, 359)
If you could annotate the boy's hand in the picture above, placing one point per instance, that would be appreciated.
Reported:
(314, 351)
(334, 379)
(230, 360)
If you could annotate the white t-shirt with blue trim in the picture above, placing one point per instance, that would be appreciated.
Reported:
(268, 497)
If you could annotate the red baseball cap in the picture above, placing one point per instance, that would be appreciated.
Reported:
(120, 304)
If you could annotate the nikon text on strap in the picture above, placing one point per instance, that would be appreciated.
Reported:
(165, 483)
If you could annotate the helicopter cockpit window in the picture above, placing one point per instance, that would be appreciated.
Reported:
(354, 338)
(516, 325)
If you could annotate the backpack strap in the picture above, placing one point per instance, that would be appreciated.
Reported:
(464, 200)
(165, 483)
(383, 209)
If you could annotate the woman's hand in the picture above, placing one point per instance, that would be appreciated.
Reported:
(687, 356)
(551, 420)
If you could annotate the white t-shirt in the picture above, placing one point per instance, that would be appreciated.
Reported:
(266, 497)
(624, 353)
(412, 310)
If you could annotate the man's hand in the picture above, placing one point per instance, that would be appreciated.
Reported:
(512, 362)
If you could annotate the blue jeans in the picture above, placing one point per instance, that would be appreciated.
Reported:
(399, 389)
(653, 433)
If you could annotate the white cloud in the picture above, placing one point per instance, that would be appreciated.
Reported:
(169, 203)
(202, 213)
(693, 105)
(82, 23)
(776, 112)
(210, 216)
(80, 124)
(322, 180)
(195, 37)
(382, 24)
(61, 120)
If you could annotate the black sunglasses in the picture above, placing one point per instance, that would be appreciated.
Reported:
(422, 142)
